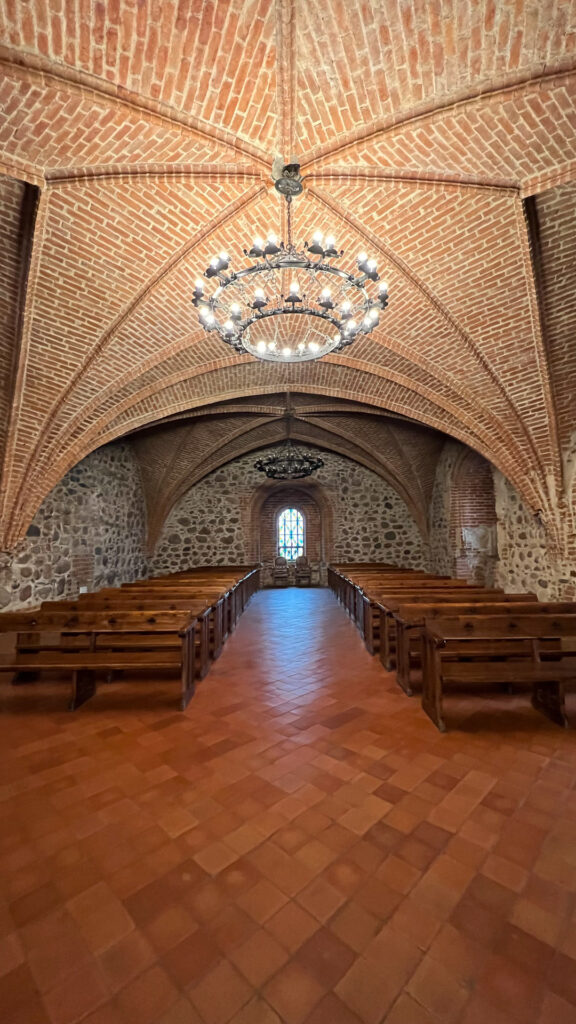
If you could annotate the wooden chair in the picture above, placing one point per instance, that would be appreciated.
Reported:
(280, 572)
(302, 572)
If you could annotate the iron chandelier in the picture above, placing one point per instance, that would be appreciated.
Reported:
(288, 462)
(301, 306)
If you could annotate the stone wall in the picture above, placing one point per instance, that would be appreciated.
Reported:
(213, 523)
(89, 532)
(371, 522)
(442, 556)
(527, 556)
(519, 552)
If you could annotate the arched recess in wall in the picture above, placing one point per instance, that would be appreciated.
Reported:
(309, 498)
(473, 533)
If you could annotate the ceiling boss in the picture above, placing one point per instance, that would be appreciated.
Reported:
(290, 305)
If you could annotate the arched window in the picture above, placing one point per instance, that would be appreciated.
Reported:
(291, 534)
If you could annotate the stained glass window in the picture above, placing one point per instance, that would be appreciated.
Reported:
(291, 534)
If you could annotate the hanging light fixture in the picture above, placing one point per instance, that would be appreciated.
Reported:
(291, 305)
(288, 462)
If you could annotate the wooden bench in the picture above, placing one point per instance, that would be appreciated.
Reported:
(108, 642)
(411, 619)
(160, 623)
(449, 642)
(383, 606)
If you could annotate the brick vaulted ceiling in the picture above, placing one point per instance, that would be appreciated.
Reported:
(137, 136)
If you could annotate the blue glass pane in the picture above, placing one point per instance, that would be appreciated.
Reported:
(291, 534)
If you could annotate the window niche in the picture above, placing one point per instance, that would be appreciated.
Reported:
(290, 534)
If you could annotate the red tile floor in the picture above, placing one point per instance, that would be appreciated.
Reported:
(300, 846)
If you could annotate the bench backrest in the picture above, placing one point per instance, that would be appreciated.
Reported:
(473, 601)
(495, 626)
(65, 621)
(420, 612)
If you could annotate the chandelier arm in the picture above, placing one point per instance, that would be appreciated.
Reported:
(348, 306)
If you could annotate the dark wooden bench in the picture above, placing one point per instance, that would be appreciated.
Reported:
(160, 623)
(503, 649)
(385, 604)
(89, 642)
(409, 620)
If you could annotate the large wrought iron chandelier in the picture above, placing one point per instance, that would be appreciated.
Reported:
(288, 462)
(291, 305)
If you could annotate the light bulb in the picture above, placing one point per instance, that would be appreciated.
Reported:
(367, 321)
(383, 286)
(301, 346)
(261, 346)
(234, 308)
(286, 351)
(337, 338)
(199, 285)
(373, 314)
(346, 306)
(272, 238)
(223, 257)
(259, 293)
(318, 236)
(326, 293)
(350, 325)
(362, 257)
(313, 346)
(372, 264)
(204, 311)
(294, 286)
(271, 345)
(209, 318)
(330, 241)
(258, 243)
(228, 326)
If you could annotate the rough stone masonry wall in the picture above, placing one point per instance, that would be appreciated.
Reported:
(442, 553)
(211, 524)
(527, 559)
(89, 531)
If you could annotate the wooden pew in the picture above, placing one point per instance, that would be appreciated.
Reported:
(449, 640)
(410, 620)
(145, 625)
(110, 642)
(370, 620)
(380, 627)
(389, 602)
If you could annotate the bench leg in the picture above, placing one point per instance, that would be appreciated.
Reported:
(188, 677)
(549, 699)
(432, 687)
(391, 644)
(403, 659)
(83, 687)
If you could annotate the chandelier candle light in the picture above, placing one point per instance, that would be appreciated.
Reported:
(291, 305)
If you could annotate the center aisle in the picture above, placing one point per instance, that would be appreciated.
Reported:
(301, 846)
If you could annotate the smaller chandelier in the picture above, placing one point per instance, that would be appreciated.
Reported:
(288, 463)
(291, 305)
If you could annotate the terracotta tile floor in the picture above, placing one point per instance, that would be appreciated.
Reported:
(301, 846)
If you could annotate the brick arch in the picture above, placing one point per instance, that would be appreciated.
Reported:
(473, 519)
(253, 437)
(309, 497)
